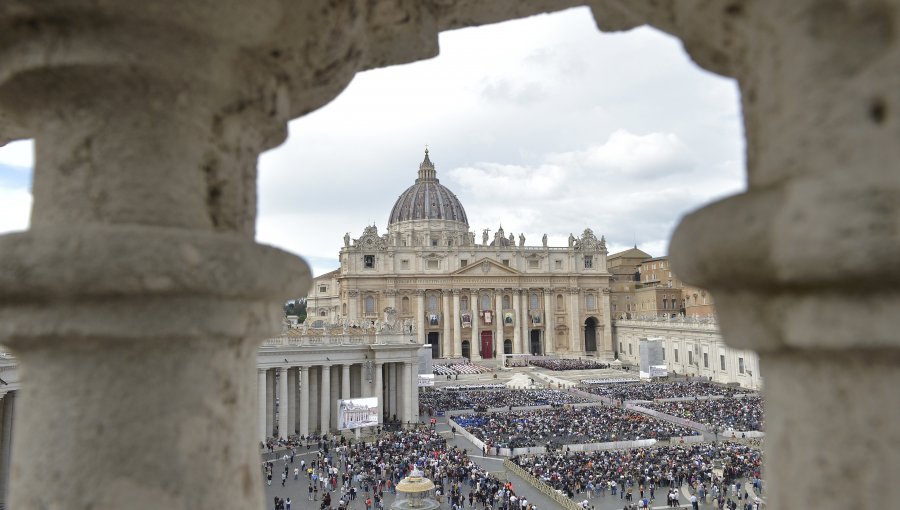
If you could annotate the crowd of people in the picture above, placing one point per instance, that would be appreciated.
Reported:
(659, 390)
(721, 414)
(554, 428)
(345, 474)
(646, 474)
(434, 401)
(459, 368)
(558, 365)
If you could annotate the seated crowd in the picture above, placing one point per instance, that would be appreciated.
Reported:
(723, 414)
(568, 364)
(459, 368)
(433, 401)
(646, 470)
(557, 427)
(658, 390)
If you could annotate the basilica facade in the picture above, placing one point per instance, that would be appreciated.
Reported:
(466, 298)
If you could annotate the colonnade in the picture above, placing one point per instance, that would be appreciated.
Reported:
(7, 411)
(303, 399)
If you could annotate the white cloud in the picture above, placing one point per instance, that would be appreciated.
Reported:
(18, 154)
(15, 210)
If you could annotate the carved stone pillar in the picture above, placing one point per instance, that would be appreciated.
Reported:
(420, 316)
(303, 412)
(379, 390)
(447, 339)
(457, 326)
(517, 325)
(576, 334)
(475, 343)
(549, 310)
(353, 305)
(498, 322)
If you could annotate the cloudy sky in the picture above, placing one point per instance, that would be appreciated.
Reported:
(543, 125)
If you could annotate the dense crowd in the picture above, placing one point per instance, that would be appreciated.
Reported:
(434, 401)
(657, 390)
(722, 414)
(650, 473)
(343, 473)
(556, 427)
(459, 368)
(568, 364)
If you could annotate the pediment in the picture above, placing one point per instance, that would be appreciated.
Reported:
(485, 267)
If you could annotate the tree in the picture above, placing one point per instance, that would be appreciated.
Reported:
(296, 307)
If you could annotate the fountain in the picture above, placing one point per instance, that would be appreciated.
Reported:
(415, 492)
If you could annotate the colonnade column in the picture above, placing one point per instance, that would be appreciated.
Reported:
(315, 395)
(457, 326)
(446, 339)
(304, 401)
(345, 381)
(607, 347)
(548, 322)
(498, 341)
(335, 395)
(8, 404)
(414, 391)
(420, 316)
(379, 390)
(292, 400)
(406, 395)
(474, 345)
(270, 402)
(261, 404)
(282, 402)
(325, 399)
(517, 321)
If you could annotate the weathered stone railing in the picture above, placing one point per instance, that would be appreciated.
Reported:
(334, 340)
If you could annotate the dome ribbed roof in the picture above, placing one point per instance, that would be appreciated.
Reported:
(428, 199)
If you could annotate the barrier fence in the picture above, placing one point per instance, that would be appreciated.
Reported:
(542, 487)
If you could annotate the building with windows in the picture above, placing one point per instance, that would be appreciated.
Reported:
(467, 298)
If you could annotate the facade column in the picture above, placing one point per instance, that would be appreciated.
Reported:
(498, 340)
(549, 314)
(345, 381)
(446, 338)
(517, 324)
(325, 400)
(414, 391)
(292, 400)
(607, 348)
(457, 326)
(261, 403)
(270, 403)
(353, 305)
(420, 317)
(304, 402)
(379, 391)
(475, 342)
(391, 298)
(283, 403)
(576, 342)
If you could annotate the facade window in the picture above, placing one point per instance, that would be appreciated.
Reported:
(690, 357)
(621, 348)
(665, 305)
(464, 303)
(590, 302)
(344, 309)
(323, 289)
(722, 361)
(705, 360)
(558, 264)
(629, 350)
(506, 262)
(741, 365)
(588, 261)
(485, 302)
(370, 304)
(560, 305)
(463, 262)
(506, 303)
(663, 353)
(450, 243)
(369, 261)
(533, 302)
(432, 303)
(676, 355)
(614, 307)
(434, 242)
(433, 264)
(653, 266)
(321, 313)
(404, 264)
(534, 264)
(404, 305)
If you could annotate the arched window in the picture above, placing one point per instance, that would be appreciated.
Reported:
(404, 304)
(432, 303)
(344, 310)
(370, 304)
(464, 303)
(590, 302)
(506, 303)
(321, 313)
(485, 302)
(533, 302)
(560, 304)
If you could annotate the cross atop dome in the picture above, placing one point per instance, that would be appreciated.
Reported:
(426, 169)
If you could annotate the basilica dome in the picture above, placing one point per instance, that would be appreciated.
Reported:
(427, 199)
